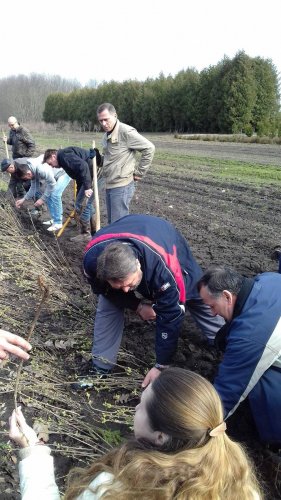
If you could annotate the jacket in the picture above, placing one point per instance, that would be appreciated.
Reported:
(170, 273)
(77, 164)
(119, 155)
(41, 172)
(22, 143)
(37, 478)
(251, 366)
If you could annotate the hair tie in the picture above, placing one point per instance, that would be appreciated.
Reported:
(220, 429)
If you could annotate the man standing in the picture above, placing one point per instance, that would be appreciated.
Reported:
(251, 366)
(120, 144)
(147, 255)
(78, 164)
(22, 143)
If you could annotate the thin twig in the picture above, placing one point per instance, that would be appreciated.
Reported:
(45, 294)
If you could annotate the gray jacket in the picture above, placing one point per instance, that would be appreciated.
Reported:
(41, 172)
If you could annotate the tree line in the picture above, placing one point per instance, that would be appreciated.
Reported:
(25, 96)
(236, 95)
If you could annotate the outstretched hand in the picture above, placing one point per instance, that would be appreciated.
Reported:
(150, 376)
(20, 432)
(146, 312)
(13, 344)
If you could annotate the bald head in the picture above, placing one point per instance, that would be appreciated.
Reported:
(13, 122)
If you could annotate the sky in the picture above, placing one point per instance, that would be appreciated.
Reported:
(133, 39)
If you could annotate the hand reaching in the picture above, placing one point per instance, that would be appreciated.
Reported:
(20, 432)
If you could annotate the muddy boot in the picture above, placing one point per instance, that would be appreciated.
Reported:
(93, 225)
(85, 235)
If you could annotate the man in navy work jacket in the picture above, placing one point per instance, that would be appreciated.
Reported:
(251, 366)
(148, 255)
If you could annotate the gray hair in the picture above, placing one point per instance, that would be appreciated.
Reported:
(116, 262)
(106, 105)
(219, 278)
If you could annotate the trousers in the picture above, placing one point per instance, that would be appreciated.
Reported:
(109, 326)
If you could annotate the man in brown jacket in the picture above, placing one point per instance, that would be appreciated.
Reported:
(120, 144)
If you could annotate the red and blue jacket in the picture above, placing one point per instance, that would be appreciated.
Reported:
(251, 366)
(170, 273)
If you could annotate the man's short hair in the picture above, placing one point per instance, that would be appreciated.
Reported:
(21, 169)
(106, 105)
(219, 278)
(48, 153)
(116, 262)
(12, 120)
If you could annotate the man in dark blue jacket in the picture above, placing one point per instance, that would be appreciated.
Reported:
(251, 366)
(77, 162)
(147, 255)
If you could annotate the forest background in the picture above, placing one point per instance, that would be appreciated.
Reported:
(236, 96)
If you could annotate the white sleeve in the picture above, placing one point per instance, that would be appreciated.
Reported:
(103, 480)
(37, 478)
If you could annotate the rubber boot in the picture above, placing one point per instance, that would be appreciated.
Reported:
(93, 225)
(85, 235)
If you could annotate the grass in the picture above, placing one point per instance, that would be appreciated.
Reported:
(224, 170)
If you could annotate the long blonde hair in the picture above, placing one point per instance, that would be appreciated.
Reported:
(191, 464)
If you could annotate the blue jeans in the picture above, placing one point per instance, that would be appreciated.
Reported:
(54, 201)
(118, 201)
(88, 210)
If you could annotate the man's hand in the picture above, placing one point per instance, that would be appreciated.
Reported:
(146, 312)
(20, 432)
(137, 178)
(88, 193)
(39, 203)
(4, 138)
(150, 376)
(20, 202)
(13, 344)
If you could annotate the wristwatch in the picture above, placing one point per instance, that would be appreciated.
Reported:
(161, 367)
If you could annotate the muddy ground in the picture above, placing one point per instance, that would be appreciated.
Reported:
(224, 222)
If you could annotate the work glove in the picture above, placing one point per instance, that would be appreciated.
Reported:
(94, 153)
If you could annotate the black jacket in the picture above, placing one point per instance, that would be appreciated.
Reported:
(77, 164)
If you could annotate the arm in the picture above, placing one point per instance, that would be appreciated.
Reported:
(252, 347)
(29, 142)
(36, 468)
(13, 344)
(46, 173)
(137, 142)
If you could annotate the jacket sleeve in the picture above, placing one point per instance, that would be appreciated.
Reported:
(10, 138)
(137, 142)
(37, 478)
(169, 315)
(29, 142)
(32, 190)
(13, 186)
(250, 351)
(46, 173)
(79, 168)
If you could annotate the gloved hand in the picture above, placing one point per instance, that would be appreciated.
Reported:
(94, 153)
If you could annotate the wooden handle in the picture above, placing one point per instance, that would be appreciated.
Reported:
(96, 192)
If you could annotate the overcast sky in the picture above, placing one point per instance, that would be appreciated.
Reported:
(133, 39)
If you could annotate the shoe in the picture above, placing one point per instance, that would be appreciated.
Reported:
(54, 227)
(276, 253)
(47, 222)
(84, 383)
(83, 238)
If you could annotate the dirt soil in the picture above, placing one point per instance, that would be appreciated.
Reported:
(223, 222)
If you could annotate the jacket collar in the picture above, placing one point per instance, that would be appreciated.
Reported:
(114, 134)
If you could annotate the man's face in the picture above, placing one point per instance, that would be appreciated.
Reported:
(52, 161)
(130, 283)
(11, 169)
(12, 125)
(223, 305)
(107, 120)
(28, 176)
